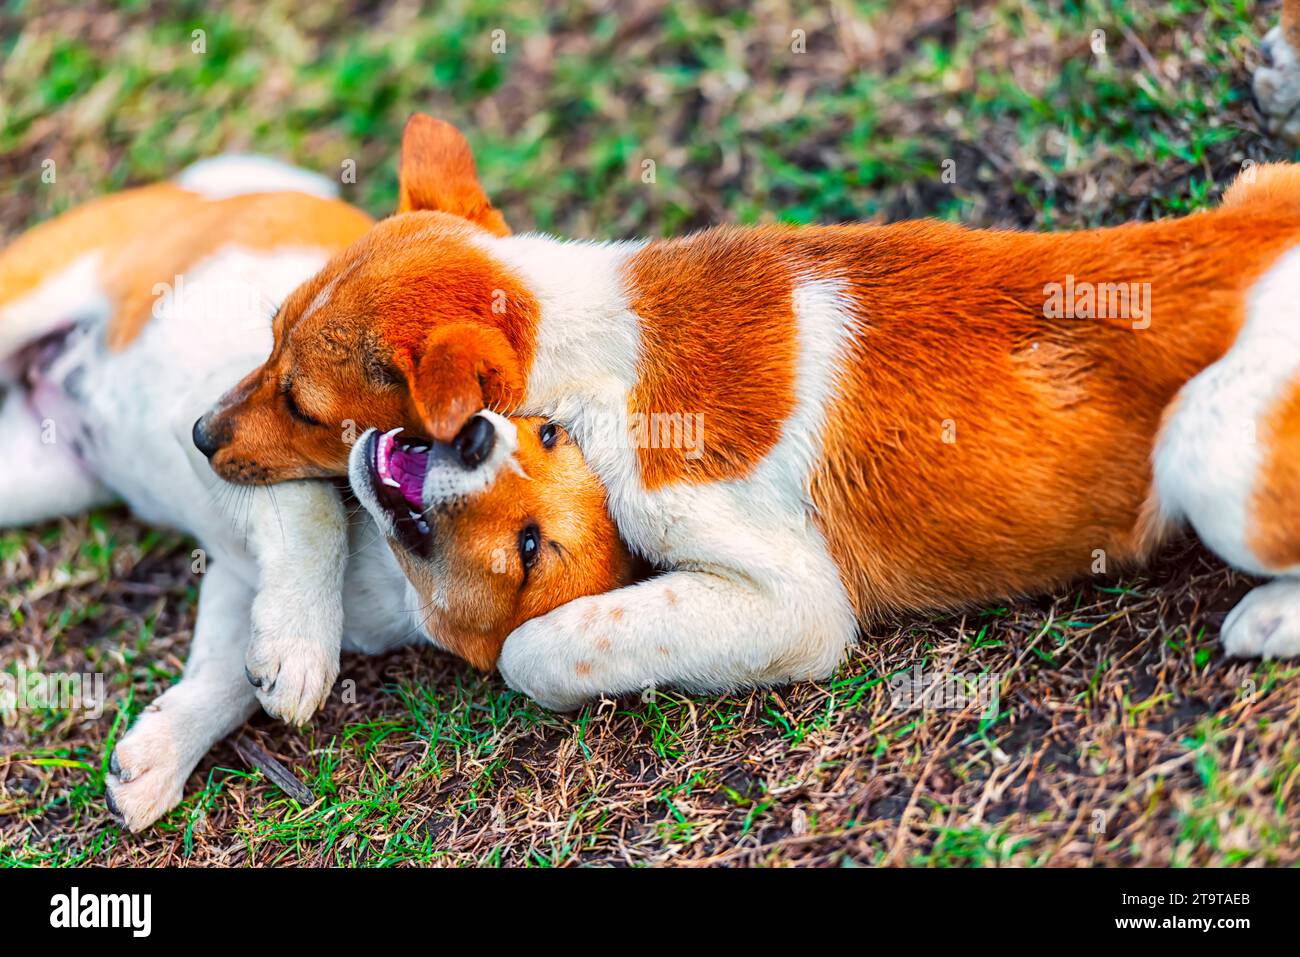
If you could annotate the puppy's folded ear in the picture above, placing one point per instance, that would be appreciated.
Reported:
(460, 369)
(437, 173)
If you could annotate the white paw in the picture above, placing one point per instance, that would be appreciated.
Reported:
(293, 655)
(1266, 623)
(1277, 86)
(534, 662)
(147, 771)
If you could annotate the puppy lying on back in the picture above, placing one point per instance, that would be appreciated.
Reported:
(119, 322)
(894, 417)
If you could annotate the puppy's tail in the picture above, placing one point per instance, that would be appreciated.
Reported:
(236, 174)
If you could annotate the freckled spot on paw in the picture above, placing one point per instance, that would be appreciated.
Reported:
(615, 614)
(602, 643)
(663, 651)
(589, 618)
(582, 668)
(670, 596)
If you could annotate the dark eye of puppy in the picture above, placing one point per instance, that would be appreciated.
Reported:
(548, 434)
(530, 546)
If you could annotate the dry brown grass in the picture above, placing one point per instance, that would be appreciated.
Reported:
(1123, 737)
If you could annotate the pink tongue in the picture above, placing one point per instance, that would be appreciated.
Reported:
(409, 469)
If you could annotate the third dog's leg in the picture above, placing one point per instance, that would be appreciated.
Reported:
(1277, 82)
(1228, 461)
(1266, 623)
(149, 766)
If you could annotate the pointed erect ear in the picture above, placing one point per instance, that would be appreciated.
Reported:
(437, 173)
(460, 369)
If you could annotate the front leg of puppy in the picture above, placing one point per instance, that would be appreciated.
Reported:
(689, 629)
(298, 532)
(149, 766)
(1277, 82)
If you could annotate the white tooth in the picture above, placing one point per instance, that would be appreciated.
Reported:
(382, 464)
(415, 516)
(420, 448)
(391, 482)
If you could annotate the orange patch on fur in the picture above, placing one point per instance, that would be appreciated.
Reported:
(196, 229)
(49, 247)
(149, 238)
(1274, 519)
(719, 349)
(980, 447)
(460, 326)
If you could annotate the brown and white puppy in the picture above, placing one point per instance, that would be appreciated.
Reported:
(809, 426)
(123, 319)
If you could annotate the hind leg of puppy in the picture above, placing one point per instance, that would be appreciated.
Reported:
(1277, 82)
(150, 765)
(1228, 462)
(40, 477)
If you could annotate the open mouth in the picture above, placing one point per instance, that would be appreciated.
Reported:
(407, 478)
(397, 471)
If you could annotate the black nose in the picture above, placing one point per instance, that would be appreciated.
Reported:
(474, 443)
(203, 439)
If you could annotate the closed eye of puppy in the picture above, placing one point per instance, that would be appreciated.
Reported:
(499, 526)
